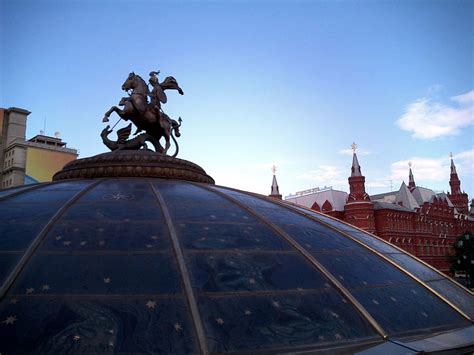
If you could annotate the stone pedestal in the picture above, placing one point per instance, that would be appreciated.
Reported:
(138, 163)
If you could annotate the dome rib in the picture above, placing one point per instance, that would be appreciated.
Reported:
(37, 241)
(381, 255)
(198, 326)
(342, 289)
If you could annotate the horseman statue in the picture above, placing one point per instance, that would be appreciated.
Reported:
(146, 115)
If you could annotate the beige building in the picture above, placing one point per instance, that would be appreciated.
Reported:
(28, 161)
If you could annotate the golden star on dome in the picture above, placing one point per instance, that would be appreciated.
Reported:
(107, 280)
(178, 327)
(219, 321)
(10, 320)
(151, 304)
(77, 337)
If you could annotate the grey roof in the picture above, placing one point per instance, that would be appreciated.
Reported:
(422, 194)
(381, 205)
(405, 197)
(149, 265)
(336, 198)
(384, 196)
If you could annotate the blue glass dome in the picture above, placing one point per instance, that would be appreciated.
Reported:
(150, 265)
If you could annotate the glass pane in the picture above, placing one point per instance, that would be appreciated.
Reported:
(68, 185)
(42, 197)
(456, 295)
(7, 263)
(416, 268)
(360, 270)
(409, 308)
(125, 184)
(246, 199)
(366, 238)
(127, 236)
(116, 211)
(18, 212)
(99, 274)
(187, 193)
(13, 190)
(213, 236)
(113, 191)
(51, 325)
(17, 236)
(319, 239)
(279, 321)
(224, 272)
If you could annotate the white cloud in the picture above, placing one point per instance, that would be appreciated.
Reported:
(426, 170)
(428, 119)
(325, 175)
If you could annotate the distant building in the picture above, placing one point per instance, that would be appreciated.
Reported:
(416, 219)
(28, 161)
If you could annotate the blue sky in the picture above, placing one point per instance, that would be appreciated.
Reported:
(290, 83)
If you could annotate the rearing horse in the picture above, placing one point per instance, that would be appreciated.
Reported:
(146, 118)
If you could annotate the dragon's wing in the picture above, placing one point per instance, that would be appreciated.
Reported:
(124, 133)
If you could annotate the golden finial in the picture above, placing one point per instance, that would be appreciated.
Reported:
(451, 155)
(409, 164)
(354, 147)
(274, 169)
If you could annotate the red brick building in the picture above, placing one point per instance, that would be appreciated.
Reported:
(414, 218)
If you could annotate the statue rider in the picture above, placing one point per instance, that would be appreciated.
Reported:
(157, 94)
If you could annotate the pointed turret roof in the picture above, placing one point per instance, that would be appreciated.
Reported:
(411, 179)
(453, 167)
(275, 190)
(355, 170)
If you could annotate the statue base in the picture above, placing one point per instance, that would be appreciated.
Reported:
(137, 163)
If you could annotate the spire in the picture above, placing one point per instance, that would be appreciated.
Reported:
(356, 180)
(411, 179)
(454, 181)
(355, 170)
(453, 167)
(275, 192)
(358, 210)
(459, 199)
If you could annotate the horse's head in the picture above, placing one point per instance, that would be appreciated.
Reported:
(129, 83)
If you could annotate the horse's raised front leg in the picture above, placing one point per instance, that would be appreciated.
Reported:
(109, 112)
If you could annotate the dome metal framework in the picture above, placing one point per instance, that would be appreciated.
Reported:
(152, 265)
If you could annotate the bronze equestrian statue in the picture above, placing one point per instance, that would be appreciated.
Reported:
(147, 116)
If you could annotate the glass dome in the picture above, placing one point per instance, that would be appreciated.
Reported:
(150, 265)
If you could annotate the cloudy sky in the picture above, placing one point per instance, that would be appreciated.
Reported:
(290, 83)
